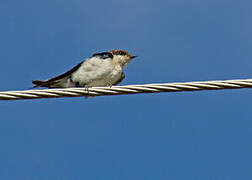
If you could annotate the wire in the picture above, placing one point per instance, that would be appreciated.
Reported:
(128, 89)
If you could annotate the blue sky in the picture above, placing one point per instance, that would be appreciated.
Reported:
(186, 135)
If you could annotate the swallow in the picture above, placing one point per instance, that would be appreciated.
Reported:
(101, 69)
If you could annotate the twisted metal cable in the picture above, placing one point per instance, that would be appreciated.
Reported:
(128, 89)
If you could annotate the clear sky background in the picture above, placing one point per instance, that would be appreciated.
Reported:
(189, 135)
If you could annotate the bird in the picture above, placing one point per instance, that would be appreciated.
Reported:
(101, 69)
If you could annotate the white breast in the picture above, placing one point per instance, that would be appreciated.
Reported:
(97, 72)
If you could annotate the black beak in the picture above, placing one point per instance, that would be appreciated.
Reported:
(132, 57)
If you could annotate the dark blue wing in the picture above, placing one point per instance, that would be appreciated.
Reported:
(104, 55)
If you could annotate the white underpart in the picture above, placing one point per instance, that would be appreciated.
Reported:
(97, 72)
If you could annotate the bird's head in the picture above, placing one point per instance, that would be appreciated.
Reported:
(122, 57)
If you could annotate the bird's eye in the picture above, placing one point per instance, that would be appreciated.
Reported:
(121, 53)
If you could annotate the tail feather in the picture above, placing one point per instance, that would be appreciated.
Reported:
(58, 81)
(51, 83)
(39, 83)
